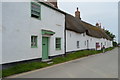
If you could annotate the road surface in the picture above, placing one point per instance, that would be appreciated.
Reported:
(95, 66)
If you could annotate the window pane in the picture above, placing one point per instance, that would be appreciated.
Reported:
(58, 43)
(33, 41)
(77, 44)
(85, 43)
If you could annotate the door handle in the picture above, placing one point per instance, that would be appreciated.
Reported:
(43, 44)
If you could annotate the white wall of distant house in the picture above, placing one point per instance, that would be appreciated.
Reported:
(72, 38)
(18, 26)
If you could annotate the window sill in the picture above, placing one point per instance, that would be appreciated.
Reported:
(58, 49)
(36, 18)
(34, 47)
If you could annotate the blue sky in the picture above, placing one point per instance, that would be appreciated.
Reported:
(104, 12)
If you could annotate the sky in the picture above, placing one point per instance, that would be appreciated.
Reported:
(92, 11)
(105, 13)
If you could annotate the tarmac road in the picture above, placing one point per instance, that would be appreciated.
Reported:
(104, 65)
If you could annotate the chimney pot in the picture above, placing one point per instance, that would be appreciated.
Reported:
(97, 24)
(77, 8)
(77, 14)
(54, 2)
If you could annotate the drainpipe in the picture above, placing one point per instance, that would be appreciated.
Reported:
(65, 38)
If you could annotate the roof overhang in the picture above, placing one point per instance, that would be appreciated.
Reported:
(52, 7)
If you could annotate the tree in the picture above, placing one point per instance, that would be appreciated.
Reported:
(111, 35)
(115, 43)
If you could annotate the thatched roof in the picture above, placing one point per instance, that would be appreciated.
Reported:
(79, 26)
(95, 31)
(74, 24)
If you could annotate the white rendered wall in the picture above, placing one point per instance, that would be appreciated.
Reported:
(0, 32)
(71, 41)
(18, 26)
(73, 37)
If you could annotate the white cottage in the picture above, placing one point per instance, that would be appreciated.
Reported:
(31, 30)
(81, 35)
(0, 33)
(39, 30)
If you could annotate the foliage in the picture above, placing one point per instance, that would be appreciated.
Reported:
(115, 43)
(111, 35)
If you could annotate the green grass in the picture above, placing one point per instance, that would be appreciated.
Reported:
(75, 55)
(25, 67)
(0, 74)
(108, 49)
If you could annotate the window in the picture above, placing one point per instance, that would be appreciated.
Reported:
(83, 34)
(70, 34)
(85, 43)
(77, 44)
(58, 43)
(91, 39)
(101, 44)
(35, 10)
(105, 43)
(97, 45)
(33, 41)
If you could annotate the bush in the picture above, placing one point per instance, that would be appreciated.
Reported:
(115, 44)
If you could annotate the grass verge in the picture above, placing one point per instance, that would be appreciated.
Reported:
(25, 67)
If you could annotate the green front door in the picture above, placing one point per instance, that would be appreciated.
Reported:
(44, 48)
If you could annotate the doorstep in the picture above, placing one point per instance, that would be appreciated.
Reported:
(47, 60)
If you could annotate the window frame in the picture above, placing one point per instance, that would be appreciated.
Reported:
(83, 34)
(78, 44)
(59, 43)
(105, 43)
(34, 40)
(33, 10)
(85, 43)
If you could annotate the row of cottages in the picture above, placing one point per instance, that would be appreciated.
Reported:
(81, 35)
(39, 30)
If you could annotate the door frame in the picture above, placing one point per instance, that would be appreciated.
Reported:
(87, 44)
(47, 47)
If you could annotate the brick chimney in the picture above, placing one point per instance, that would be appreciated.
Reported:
(97, 25)
(53, 2)
(77, 14)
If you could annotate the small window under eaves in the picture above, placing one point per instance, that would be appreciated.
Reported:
(35, 10)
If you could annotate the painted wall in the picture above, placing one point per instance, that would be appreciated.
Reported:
(73, 37)
(18, 26)
(0, 33)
